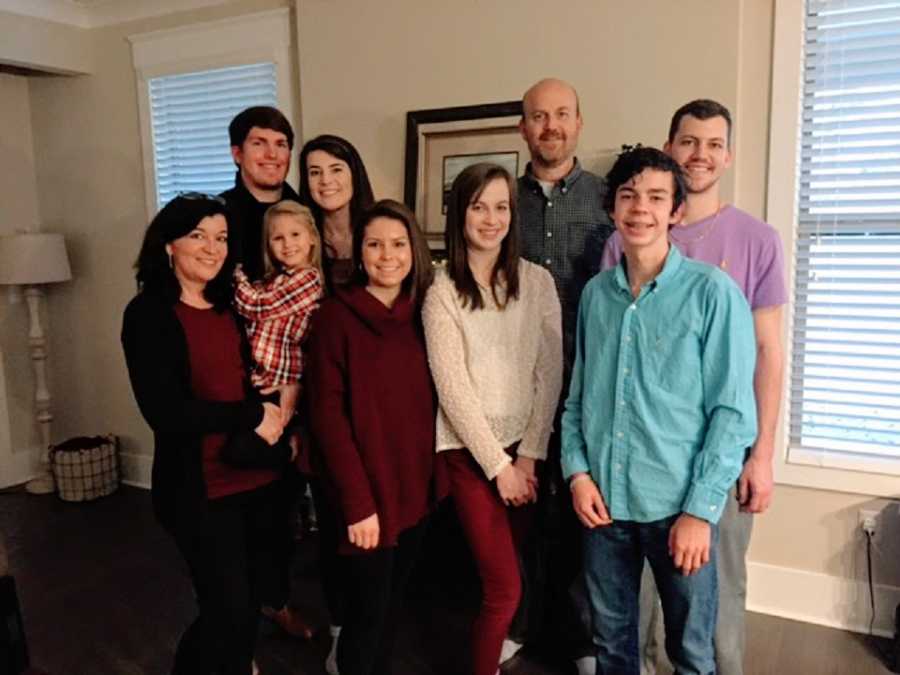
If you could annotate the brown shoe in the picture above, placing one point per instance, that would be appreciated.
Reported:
(290, 621)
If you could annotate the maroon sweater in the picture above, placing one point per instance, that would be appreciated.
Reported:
(372, 410)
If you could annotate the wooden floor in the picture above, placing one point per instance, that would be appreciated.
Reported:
(103, 592)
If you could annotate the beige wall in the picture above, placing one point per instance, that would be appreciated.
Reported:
(18, 211)
(91, 187)
(359, 82)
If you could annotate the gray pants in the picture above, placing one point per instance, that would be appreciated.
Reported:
(734, 539)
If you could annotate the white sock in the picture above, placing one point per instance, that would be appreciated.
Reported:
(331, 660)
(509, 649)
(586, 665)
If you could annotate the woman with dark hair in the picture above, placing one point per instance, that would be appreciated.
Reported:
(335, 186)
(187, 360)
(494, 333)
(372, 420)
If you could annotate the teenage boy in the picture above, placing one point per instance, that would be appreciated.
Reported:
(659, 412)
(750, 251)
(261, 142)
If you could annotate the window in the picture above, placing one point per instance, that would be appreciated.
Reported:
(192, 81)
(190, 114)
(844, 393)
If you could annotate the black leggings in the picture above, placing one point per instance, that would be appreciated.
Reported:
(229, 552)
(331, 565)
(375, 584)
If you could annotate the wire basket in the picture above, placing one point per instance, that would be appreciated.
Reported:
(86, 468)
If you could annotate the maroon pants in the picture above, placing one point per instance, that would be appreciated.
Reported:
(494, 532)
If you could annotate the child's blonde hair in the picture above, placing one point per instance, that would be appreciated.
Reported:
(301, 214)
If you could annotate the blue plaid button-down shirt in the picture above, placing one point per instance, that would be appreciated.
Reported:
(565, 233)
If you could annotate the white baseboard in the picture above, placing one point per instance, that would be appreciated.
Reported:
(136, 469)
(820, 598)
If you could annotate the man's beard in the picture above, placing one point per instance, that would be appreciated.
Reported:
(559, 156)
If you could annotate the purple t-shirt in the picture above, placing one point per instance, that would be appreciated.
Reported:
(748, 249)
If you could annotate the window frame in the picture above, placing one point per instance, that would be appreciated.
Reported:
(782, 211)
(235, 41)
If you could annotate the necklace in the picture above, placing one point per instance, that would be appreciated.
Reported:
(700, 237)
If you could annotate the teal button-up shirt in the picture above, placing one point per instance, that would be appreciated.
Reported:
(661, 407)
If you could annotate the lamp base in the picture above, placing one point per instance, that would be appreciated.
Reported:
(42, 485)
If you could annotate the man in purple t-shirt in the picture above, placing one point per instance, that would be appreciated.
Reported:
(750, 251)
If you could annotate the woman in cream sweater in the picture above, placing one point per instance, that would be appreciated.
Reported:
(493, 330)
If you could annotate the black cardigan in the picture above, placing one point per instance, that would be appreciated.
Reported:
(156, 352)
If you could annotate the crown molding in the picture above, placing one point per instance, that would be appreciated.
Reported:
(99, 13)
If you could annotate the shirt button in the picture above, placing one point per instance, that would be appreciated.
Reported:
(626, 370)
(712, 508)
(627, 338)
(547, 261)
(632, 307)
(619, 434)
(549, 205)
(565, 190)
(549, 234)
(622, 403)
(618, 467)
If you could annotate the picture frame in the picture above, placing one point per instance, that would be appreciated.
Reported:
(441, 142)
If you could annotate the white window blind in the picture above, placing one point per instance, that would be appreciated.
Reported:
(190, 114)
(845, 380)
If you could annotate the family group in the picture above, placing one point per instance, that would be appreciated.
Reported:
(595, 369)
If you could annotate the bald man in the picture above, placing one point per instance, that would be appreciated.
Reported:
(564, 228)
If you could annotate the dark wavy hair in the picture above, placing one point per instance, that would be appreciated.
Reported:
(422, 273)
(262, 116)
(343, 149)
(633, 161)
(702, 109)
(176, 219)
(467, 188)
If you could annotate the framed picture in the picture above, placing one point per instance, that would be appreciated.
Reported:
(441, 142)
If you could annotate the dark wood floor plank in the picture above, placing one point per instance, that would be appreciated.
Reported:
(104, 592)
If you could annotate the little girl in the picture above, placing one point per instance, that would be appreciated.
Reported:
(278, 308)
(277, 311)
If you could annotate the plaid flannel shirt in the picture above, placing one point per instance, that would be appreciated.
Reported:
(277, 310)
(565, 233)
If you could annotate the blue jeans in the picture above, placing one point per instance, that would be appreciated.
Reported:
(614, 557)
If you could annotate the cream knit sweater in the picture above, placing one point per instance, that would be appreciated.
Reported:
(498, 372)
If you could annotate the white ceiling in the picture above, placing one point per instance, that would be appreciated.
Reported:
(94, 13)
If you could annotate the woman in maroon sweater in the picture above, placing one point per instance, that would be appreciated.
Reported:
(187, 360)
(372, 418)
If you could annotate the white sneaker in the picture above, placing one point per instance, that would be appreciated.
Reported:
(509, 649)
(255, 669)
(586, 665)
(331, 660)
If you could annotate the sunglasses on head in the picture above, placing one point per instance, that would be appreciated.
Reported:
(202, 195)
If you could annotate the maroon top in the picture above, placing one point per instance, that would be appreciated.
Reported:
(217, 374)
(372, 410)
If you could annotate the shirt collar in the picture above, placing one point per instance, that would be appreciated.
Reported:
(669, 270)
(567, 181)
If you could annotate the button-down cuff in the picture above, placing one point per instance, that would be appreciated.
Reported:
(575, 463)
(705, 503)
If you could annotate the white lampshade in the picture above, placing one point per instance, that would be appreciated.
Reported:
(33, 258)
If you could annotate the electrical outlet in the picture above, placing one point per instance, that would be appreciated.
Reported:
(868, 521)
